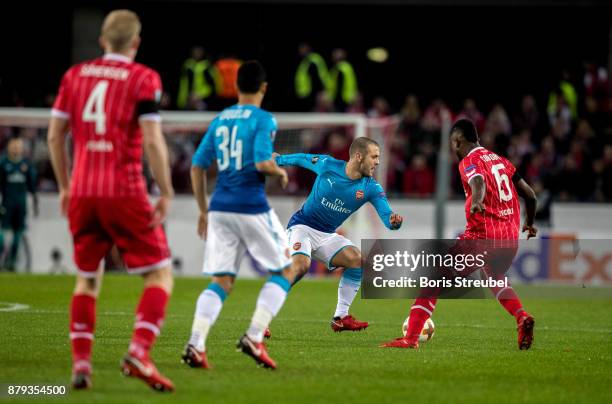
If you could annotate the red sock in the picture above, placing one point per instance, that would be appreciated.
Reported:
(509, 299)
(420, 311)
(149, 318)
(82, 323)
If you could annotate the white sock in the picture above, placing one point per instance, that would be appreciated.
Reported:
(270, 300)
(347, 291)
(260, 321)
(207, 310)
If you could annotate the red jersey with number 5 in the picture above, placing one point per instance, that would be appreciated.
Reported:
(502, 216)
(102, 100)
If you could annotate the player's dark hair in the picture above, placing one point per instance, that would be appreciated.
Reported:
(251, 75)
(467, 128)
(360, 145)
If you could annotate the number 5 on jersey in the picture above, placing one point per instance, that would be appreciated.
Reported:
(229, 148)
(94, 107)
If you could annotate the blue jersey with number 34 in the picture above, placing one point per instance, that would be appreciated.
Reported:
(237, 138)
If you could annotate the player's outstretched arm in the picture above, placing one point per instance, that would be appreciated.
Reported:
(270, 168)
(392, 221)
(529, 196)
(56, 137)
(157, 153)
(312, 162)
(479, 188)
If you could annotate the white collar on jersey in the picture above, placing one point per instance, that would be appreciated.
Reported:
(473, 150)
(117, 57)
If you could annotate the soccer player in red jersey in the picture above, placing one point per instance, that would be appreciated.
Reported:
(492, 211)
(109, 105)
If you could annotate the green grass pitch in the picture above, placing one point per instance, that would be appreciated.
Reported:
(473, 356)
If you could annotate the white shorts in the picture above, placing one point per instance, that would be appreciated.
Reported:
(316, 244)
(231, 235)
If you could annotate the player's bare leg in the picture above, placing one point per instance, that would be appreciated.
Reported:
(82, 325)
(150, 315)
(209, 305)
(270, 300)
(350, 259)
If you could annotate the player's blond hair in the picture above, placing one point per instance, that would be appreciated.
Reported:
(119, 28)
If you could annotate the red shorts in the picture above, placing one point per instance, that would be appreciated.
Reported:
(97, 224)
(496, 231)
(499, 253)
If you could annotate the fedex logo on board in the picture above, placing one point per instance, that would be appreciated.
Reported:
(563, 258)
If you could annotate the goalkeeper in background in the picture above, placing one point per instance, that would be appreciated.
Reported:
(17, 178)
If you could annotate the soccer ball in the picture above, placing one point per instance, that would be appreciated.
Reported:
(426, 333)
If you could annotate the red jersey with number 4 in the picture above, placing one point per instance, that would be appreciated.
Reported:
(502, 216)
(101, 99)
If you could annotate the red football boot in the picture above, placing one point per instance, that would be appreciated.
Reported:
(81, 381)
(145, 370)
(525, 323)
(194, 358)
(257, 351)
(267, 334)
(348, 323)
(401, 342)
(81, 375)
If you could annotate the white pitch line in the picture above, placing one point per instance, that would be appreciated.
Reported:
(445, 325)
(13, 306)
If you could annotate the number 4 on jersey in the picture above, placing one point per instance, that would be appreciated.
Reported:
(94, 107)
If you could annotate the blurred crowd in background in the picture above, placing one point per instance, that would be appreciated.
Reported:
(561, 145)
